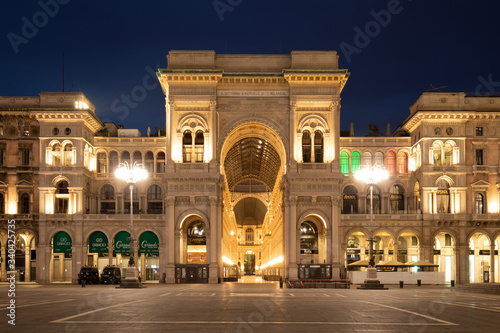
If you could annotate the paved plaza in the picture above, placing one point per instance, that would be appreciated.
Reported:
(239, 307)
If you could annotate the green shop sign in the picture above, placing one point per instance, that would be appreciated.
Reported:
(148, 243)
(98, 242)
(122, 242)
(62, 242)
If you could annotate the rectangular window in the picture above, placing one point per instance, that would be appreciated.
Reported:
(479, 131)
(2, 156)
(479, 157)
(25, 156)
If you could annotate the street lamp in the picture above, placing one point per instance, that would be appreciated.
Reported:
(131, 174)
(371, 174)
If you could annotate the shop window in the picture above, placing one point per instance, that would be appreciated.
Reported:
(101, 163)
(24, 203)
(306, 147)
(350, 200)
(391, 163)
(150, 162)
(397, 199)
(479, 203)
(344, 162)
(318, 147)
(62, 198)
(308, 238)
(113, 162)
(199, 141)
(355, 161)
(196, 243)
(187, 143)
(155, 200)
(160, 162)
(107, 199)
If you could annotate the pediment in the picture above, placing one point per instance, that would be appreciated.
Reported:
(24, 182)
(480, 183)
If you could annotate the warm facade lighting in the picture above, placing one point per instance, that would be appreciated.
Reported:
(273, 262)
(227, 261)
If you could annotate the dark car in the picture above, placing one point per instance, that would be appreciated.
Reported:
(111, 275)
(89, 274)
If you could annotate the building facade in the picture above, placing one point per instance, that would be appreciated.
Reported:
(251, 177)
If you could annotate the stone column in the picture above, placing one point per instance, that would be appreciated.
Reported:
(27, 263)
(336, 260)
(61, 266)
(3, 274)
(292, 238)
(492, 261)
(172, 246)
(215, 228)
(110, 253)
(462, 264)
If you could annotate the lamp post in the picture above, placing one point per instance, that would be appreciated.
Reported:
(131, 174)
(371, 175)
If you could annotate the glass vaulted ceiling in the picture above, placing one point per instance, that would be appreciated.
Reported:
(252, 158)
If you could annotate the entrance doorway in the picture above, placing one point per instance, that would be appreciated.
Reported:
(249, 263)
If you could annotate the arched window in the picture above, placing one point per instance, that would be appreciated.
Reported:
(187, 143)
(344, 162)
(199, 142)
(137, 157)
(448, 154)
(125, 157)
(308, 238)
(437, 154)
(402, 162)
(318, 147)
(391, 163)
(350, 200)
(379, 158)
(196, 243)
(367, 158)
(62, 197)
(113, 161)
(397, 199)
(155, 200)
(68, 154)
(418, 157)
(355, 161)
(479, 203)
(160, 162)
(150, 162)
(443, 197)
(376, 201)
(306, 147)
(135, 200)
(249, 236)
(2, 203)
(107, 199)
(24, 203)
(101, 163)
(56, 154)
(416, 193)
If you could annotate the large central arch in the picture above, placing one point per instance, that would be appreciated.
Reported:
(253, 159)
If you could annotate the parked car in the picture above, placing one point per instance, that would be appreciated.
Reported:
(89, 274)
(111, 275)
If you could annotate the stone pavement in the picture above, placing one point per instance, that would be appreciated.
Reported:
(236, 307)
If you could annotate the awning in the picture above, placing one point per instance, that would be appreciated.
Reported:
(62, 243)
(148, 243)
(360, 263)
(421, 263)
(98, 242)
(122, 243)
(391, 263)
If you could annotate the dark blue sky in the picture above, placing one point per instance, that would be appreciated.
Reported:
(109, 46)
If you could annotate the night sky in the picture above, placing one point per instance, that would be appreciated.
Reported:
(111, 47)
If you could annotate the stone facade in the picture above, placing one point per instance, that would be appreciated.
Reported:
(252, 175)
